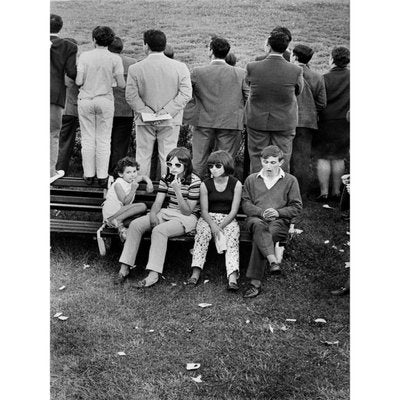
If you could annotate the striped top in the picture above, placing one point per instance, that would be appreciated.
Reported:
(190, 191)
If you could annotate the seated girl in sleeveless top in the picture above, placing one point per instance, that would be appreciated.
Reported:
(220, 197)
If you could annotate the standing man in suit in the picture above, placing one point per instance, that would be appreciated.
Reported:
(123, 115)
(271, 110)
(62, 62)
(310, 102)
(160, 85)
(219, 95)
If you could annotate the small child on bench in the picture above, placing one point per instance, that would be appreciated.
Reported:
(119, 200)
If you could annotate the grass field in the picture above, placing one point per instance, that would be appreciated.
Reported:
(246, 348)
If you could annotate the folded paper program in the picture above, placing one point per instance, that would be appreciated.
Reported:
(148, 117)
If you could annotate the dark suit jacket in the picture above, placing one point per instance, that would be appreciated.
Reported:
(286, 56)
(121, 107)
(219, 95)
(312, 99)
(274, 85)
(62, 61)
(337, 85)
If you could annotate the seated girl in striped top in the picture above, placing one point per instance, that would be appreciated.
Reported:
(181, 188)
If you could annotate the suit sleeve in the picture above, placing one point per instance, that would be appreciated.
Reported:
(294, 203)
(70, 63)
(245, 88)
(300, 83)
(132, 94)
(320, 95)
(184, 93)
(248, 206)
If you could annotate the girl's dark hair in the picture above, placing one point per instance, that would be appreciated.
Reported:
(184, 156)
(123, 163)
(223, 157)
(103, 35)
(341, 56)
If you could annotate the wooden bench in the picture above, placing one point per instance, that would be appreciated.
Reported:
(82, 203)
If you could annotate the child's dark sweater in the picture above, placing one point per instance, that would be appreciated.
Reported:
(284, 197)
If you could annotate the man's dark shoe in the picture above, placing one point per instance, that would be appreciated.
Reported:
(340, 292)
(322, 198)
(252, 291)
(89, 180)
(275, 269)
(232, 287)
(102, 182)
(119, 279)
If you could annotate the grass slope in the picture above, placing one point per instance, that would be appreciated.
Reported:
(239, 359)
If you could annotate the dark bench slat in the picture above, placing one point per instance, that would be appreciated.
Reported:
(74, 207)
(62, 225)
(87, 201)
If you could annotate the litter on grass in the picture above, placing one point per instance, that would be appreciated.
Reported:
(206, 281)
(197, 379)
(121, 353)
(247, 321)
(320, 320)
(326, 241)
(284, 328)
(347, 264)
(63, 317)
(341, 250)
(327, 206)
(330, 343)
(189, 330)
(298, 231)
(290, 320)
(61, 288)
(85, 266)
(334, 247)
(204, 305)
(271, 329)
(57, 315)
(173, 284)
(347, 233)
(192, 366)
(151, 330)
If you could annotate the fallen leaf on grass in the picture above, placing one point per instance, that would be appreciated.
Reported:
(85, 266)
(341, 250)
(57, 315)
(206, 281)
(121, 353)
(347, 264)
(284, 328)
(348, 243)
(326, 241)
(173, 284)
(320, 320)
(204, 305)
(189, 330)
(330, 343)
(63, 317)
(62, 288)
(298, 231)
(247, 321)
(197, 379)
(290, 320)
(151, 330)
(192, 366)
(347, 233)
(271, 329)
(334, 247)
(327, 206)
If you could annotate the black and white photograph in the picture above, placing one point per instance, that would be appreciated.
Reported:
(199, 241)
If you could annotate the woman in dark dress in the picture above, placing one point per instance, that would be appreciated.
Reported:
(332, 142)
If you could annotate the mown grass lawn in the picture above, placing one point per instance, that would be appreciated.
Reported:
(264, 358)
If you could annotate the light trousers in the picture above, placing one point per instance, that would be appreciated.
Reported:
(95, 120)
(159, 241)
(258, 139)
(146, 135)
(55, 127)
(203, 237)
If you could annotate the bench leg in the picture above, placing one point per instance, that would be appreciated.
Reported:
(100, 241)
(279, 252)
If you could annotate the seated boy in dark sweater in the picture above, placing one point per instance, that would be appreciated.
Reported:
(270, 198)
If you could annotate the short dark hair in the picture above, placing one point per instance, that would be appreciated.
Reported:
(219, 46)
(123, 163)
(284, 30)
(303, 53)
(156, 40)
(279, 41)
(56, 23)
(341, 56)
(231, 59)
(272, 151)
(116, 46)
(223, 157)
(184, 156)
(169, 51)
(103, 35)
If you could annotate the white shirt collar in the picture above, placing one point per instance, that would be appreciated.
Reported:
(275, 55)
(280, 175)
(156, 53)
(269, 182)
(218, 60)
(55, 34)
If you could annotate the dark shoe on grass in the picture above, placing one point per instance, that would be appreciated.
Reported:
(192, 281)
(119, 279)
(275, 269)
(322, 198)
(232, 287)
(252, 291)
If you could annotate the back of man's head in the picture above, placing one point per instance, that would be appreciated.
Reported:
(156, 40)
(283, 29)
(56, 23)
(303, 53)
(220, 47)
(116, 46)
(278, 41)
(341, 56)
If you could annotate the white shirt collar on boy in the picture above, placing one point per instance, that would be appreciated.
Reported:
(269, 182)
